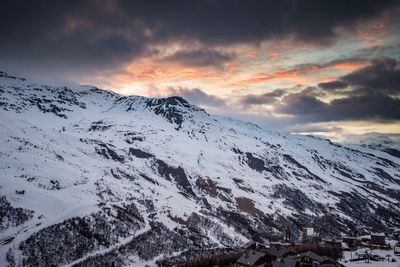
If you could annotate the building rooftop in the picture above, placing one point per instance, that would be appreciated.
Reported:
(250, 258)
(311, 255)
(378, 234)
(285, 262)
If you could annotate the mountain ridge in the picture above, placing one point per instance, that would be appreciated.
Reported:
(131, 180)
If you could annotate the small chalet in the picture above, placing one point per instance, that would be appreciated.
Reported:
(286, 262)
(279, 252)
(306, 259)
(310, 259)
(254, 258)
(378, 239)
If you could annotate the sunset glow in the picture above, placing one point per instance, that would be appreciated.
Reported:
(321, 63)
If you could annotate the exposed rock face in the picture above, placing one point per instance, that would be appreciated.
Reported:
(91, 178)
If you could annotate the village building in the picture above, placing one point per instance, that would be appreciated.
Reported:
(279, 252)
(255, 258)
(306, 259)
(378, 239)
(309, 236)
(311, 259)
(396, 249)
(396, 234)
(286, 262)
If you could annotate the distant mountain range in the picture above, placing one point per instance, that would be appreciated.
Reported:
(89, 177)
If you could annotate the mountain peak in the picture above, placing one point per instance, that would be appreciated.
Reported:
(62, 100)
(175, 101)
(173, 108)
(134, 174)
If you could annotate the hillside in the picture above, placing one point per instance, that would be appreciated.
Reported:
(88, 176)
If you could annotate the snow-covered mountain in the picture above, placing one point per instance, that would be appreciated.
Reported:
(387, 143)
(89, 178)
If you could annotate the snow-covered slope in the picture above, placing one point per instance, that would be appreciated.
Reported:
(89, 177)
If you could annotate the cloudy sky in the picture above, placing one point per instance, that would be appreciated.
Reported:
(326, 67)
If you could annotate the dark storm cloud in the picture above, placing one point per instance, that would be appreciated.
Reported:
(228, 21)
(267, 98)
(371, 93)
(66, 34)
(307, 67)
(333, 85)
(302, 103)
(370, 106)
(202, 57)
(98, 34)
(382, 75)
